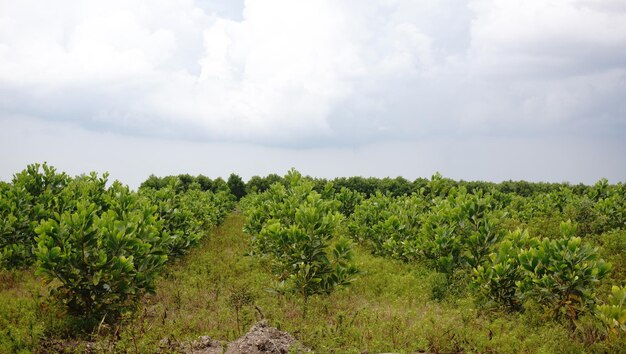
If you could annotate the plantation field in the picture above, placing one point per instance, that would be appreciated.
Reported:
(349, 266)
(388, 309)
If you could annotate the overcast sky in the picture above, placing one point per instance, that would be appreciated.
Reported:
(475, 89)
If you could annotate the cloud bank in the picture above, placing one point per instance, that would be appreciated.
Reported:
(317, 73)
(130, 159)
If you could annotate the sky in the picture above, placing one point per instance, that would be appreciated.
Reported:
(475, 89)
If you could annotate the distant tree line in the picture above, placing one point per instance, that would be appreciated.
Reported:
(368, 186)
(184, 182)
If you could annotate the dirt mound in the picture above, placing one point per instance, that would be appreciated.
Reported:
(262, 338)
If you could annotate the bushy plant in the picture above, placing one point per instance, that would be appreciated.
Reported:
(561, 276)
(370, 212)
(349, 200)
(612, 245)
(103, 258)
(32, 196)
(497, 280)
(293, 228)
(180, 230)
(16, 231)
(450, 232)
(611, 206)
(439, 242)
(460, 230)
(613, 313)
(236, 186)
(483, 229)
(389, 226)
(187, 214)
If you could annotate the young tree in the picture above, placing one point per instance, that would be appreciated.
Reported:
(293, 228)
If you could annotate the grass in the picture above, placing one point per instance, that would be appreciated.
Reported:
(22, 311)
(213, 291)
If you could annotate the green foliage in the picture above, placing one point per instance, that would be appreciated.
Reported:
(449, 232)
(219, 185)
(460, 230)
(387, 310)
(483, 228)
(16, 236)
(32, 196)
(101, 248)
(293, 227)
(387, 225)
(181, 230)
(497, 280)
(349, 200)
(612, 245)
(104, 256)
(613, 313)
(561, 275)
(236, 186)
(610, 204)
(439, 240)
(186, 214)
(239, 297)
(583, 212)
(186, 182)
(258, 184)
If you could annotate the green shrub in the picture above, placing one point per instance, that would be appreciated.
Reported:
(16, 236)
(389, 226)
(181, 229)
(460, 230)
(561, 276)
(483, 230)
(187, 214)
(103, 258)
(589, 219)
(32, 196)
(349, 200)
(293, 227)
(612, 246)
(236, 186)
(613, 313)
(497, 280)
(372, 211)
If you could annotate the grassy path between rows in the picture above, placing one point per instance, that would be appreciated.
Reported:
(213, 290)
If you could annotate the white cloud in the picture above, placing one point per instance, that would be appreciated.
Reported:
(533, 39)
(312, 72)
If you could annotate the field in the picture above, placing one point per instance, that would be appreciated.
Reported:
(354, 265)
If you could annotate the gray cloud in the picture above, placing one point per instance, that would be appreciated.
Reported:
(314, 75)
(132, 159)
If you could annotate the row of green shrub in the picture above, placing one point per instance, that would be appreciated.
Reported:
(99, 243)
(473, 239)
(473, 236)
(400, 186)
